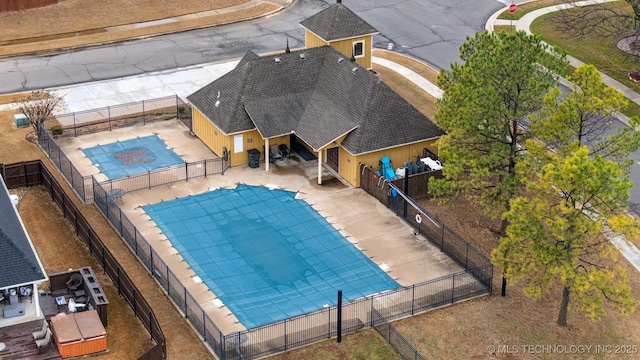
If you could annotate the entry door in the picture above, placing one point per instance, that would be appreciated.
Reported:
(332, 157)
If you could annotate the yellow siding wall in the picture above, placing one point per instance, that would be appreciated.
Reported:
(398, 155)
(344, 46)
(216, 139)
(311, 40)
(208, 133)
(251, 140)
(348, 167)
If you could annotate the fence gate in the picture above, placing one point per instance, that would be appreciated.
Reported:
(21, 174)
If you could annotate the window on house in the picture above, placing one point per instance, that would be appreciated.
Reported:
(358, 49)
(238, 144)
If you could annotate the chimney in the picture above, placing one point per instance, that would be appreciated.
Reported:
(287, 50)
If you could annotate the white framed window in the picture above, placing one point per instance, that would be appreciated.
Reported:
(238, 144)
(358, 49)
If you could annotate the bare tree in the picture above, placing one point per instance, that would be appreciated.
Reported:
(38, 106)
(618, 19)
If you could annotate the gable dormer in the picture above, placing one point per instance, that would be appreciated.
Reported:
(340, 28)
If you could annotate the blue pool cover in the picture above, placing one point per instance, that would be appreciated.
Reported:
(132, 157)
(265, 254)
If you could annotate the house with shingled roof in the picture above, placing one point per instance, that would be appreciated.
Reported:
(343, 30)
(319, 98)
(21, 271)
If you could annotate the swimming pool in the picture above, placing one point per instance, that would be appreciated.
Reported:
(132, 157)
(267, 255)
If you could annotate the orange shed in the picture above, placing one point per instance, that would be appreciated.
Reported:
(78, 334)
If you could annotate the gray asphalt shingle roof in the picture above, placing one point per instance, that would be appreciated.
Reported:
(319, 99)
(19, 263)
(337, 22)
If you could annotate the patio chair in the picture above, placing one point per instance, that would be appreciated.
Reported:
(284, 151)
(37, 335)
(74, 283)
(386, 168)
(44, 342)
(25, 291)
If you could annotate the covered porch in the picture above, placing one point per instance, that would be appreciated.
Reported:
(303, 155)
(19, 304)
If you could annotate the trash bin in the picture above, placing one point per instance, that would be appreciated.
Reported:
(254, 158)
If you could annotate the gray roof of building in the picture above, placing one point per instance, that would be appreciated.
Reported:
(320, 99)
(337, 22)
(19, 263)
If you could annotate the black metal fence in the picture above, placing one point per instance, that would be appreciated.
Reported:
(393, 337)
(119, 116)
(283, 335)
(166, 175)
(80, 184)
(106, 119)
(437, 232)
(33, 173)
(308, 328)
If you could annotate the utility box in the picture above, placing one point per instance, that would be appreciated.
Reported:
(20, 120)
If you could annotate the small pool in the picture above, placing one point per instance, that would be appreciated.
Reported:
(267, 255)
(132, 157)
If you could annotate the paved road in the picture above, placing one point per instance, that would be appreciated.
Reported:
(431, 30)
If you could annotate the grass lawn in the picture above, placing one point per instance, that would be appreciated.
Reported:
(363, 344)
(523, 9)
(590, 49)
(594, 49)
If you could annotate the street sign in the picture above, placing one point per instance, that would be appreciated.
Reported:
(512, 8)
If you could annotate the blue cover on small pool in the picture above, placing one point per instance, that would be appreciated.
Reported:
(265, 254)
(132, 157)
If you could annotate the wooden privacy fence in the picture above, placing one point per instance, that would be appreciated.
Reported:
(32, 173)
(418, 184)
(19, 5)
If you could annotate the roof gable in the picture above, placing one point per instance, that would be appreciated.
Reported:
(230, 116)
(337, 22)
(390, 121)
(279, 115)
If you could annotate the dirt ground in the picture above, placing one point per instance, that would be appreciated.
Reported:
(60, 250)
(466, 330)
